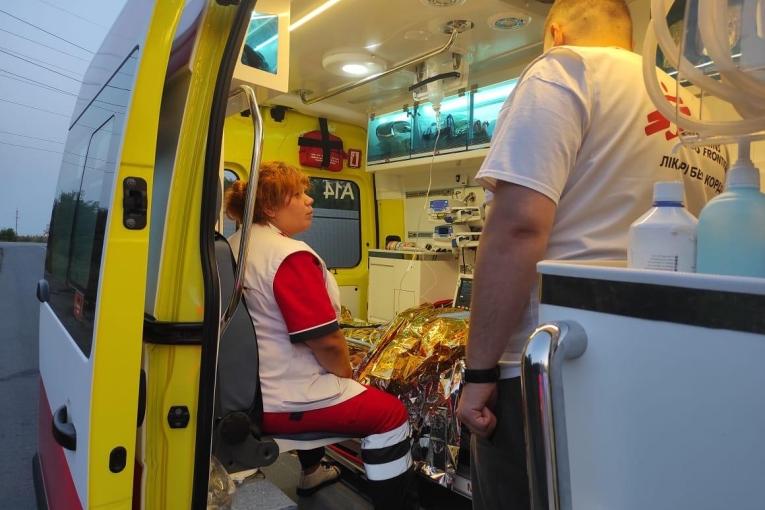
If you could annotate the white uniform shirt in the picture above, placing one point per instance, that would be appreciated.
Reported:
(580, 129)
(291, 378)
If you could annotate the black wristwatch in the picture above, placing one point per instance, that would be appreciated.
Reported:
(482, 375)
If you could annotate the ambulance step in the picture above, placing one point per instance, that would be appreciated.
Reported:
(261, 494)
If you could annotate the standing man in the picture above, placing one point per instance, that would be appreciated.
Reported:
(577, 149)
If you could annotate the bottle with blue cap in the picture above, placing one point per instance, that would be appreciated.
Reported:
(732, 225)
(664, 238)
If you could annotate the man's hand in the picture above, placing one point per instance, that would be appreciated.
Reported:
(473, 409)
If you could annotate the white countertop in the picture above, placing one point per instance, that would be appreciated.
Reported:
(617, 271)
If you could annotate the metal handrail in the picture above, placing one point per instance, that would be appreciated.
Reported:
(377, 76)
(249, 203)
(545, 419)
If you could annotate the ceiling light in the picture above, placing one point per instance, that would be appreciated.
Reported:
(311, 15)
(509, 20)
(355, 69)
(352, 63)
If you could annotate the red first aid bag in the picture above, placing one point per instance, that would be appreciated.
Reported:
(319, 149)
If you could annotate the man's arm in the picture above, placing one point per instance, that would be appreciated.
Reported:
(514, 239)
(331, 351)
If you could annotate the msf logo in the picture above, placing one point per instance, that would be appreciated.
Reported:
(657, 122)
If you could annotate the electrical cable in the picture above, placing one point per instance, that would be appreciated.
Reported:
(44, 45)
(40, 65)
(34, 108)
(46, 31)
(33, 148)
(63, 153)
(32, 137)
(39, 60)
(424, 208)
(72, 13)
(30, 81)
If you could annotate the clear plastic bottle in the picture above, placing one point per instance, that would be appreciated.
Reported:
(664, 238)
(731, 231)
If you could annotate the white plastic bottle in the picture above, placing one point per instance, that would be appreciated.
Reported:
(664, 238)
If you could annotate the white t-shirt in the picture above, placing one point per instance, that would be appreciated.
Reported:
(580, 129)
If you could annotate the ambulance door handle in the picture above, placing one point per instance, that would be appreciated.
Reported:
(135, 203)
(63, 430)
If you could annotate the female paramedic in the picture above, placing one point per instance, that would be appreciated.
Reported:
(305, 370)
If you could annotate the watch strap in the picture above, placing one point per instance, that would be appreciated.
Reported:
(482, 375)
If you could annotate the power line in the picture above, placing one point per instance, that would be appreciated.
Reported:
(45, 85)
(72, 13)
(39, 65)
(34, 107)
(32, 137)
(33, 148)
(43, 30)
(24, 55)
(63, 153)
(42, 44)
(35, 82)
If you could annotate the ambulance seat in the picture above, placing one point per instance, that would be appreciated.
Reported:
(237, 439)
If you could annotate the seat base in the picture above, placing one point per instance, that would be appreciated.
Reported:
(287, 443)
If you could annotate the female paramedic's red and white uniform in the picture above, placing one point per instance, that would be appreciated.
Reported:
(293, 298)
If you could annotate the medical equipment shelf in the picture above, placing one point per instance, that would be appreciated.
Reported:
(468, 161)
(459, 126)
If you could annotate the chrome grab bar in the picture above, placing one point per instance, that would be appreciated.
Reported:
(415, 60)
(249, 203)
(544, 412)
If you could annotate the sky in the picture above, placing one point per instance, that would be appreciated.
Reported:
(45, 48)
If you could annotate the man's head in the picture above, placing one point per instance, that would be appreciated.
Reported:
(589, 23)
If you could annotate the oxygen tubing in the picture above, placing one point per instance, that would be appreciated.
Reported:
(659, 29)
(729, 128)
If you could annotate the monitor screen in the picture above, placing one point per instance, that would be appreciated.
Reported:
(464, 291)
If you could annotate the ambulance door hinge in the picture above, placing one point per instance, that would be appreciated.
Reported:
(135, 203)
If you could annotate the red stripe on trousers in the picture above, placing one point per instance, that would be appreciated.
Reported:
(370, 412)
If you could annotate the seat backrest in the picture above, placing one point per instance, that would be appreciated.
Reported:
(238, 385)
(238, 401)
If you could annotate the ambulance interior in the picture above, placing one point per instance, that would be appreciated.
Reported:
(399, 223)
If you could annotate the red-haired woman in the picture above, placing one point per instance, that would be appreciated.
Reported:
(305, 369)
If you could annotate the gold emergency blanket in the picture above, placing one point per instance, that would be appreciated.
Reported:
(419, 342)
(418, 357)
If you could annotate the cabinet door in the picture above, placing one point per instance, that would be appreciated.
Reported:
(381, 278)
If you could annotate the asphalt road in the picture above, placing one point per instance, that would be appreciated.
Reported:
(21, 265)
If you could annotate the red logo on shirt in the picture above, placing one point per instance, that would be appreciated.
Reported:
(658, 122)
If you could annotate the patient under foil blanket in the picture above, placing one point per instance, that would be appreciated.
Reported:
(418, 357)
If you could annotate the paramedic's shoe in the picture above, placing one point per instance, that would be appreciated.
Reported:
(324, 475)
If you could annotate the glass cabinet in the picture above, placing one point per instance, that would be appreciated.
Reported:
(467, 122)
(389, 137)
(487, 102)
(452, 134)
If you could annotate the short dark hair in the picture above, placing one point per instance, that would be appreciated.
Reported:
(583, 14)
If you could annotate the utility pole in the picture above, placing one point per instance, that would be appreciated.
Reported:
(17, 221)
